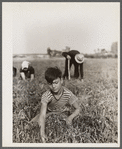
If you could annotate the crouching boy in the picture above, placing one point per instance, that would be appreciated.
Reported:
(56, 99)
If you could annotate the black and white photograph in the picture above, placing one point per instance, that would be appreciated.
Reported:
(61, 74)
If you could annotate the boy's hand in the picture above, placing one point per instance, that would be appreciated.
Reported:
(68, 121)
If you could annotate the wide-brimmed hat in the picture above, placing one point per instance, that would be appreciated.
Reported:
(79, 58)
(25, 64)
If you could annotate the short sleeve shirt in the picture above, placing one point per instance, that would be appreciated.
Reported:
(29, 71)
(57, 105)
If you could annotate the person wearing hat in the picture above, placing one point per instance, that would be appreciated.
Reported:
(77, 59)
(27, 71)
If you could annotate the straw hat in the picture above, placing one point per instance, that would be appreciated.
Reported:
(25, 64)
(79, 58)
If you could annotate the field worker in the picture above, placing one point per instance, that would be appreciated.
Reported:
(27, 71)
(14, 71)
(56, 99)
(76, 58)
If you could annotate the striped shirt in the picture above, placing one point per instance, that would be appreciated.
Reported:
(54, 104)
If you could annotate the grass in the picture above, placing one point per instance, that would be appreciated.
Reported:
(98, 120)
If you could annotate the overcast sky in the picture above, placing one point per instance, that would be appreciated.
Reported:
(81, 26)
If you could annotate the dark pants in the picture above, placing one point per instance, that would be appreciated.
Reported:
(14, 71)
(78, 69)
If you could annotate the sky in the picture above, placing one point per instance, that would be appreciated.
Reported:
(83, 26)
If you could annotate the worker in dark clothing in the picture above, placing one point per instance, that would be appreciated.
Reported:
(14, 71)
(27, 71)
(77, 59)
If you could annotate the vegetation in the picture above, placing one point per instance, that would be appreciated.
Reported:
(98, 121)
(100, 55)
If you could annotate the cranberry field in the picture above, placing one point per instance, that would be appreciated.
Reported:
(98, 120)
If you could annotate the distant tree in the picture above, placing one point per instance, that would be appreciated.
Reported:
(98, 50)
(114, 48)
(103, 51)
(49, 51)
(54, 52)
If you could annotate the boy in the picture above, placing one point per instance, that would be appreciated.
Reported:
(26, 71)
(76, 58)
(56, 99)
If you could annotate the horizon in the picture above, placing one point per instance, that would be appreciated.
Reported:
(56, 50)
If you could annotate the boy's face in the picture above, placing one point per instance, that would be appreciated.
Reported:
(56, 85)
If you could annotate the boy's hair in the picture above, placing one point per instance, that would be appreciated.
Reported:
(52, 73)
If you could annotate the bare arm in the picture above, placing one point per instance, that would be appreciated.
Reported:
(74, 114)
(22, 75)
(41, 121)
(32, 77)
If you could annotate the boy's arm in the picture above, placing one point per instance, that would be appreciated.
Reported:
(74, 114)
(41, 121)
